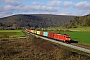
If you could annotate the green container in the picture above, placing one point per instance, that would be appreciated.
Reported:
(38, 32)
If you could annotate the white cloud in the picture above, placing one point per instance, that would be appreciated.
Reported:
(55, 3)
(8, 7)
(36, 3)
(5, 13)
(1, 9)
(13, 6)
(67, 4)
(83, 5)
(81, 12)
(12, 2)
(37, 8)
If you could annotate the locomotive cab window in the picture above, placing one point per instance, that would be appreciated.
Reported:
(67, 36)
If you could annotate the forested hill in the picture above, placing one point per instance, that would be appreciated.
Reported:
(78, 21)
(34, 20)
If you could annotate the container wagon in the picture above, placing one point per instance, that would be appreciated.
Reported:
(51, 34)
(45, 34)
(38, 32)
(32, 31)
(41, 33)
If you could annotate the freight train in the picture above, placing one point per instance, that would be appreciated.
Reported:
(60, 37)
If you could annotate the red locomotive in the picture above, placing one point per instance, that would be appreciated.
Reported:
(62, 37)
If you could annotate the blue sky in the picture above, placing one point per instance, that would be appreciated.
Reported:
(57, 7)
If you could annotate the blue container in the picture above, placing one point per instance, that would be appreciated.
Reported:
(45, 34)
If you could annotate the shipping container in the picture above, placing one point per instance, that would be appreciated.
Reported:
(50, 34)
(38, 32)
(45, 34)
(41, 33)
(32, 31)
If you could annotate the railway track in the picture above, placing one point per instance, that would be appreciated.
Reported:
(81, 45)
(72, 45)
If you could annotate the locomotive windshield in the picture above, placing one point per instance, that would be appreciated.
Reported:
(67, 36)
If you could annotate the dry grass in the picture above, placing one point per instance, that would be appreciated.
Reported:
(34, 49)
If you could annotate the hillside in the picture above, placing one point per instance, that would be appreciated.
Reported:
(33, 20)
(83, 21)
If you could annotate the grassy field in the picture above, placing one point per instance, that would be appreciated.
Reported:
(54, 28)
(71, 29)
(81, 29)
(11, 33)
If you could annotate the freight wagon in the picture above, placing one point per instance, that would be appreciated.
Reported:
(38, 32)
(41, 33)
(51, 34)
(32, 31)
(45, 34)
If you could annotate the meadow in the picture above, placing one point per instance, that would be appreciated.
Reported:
(70, 29)
(11, 33)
